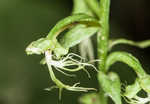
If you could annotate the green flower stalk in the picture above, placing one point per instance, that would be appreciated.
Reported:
(102, 39)
(103, 34)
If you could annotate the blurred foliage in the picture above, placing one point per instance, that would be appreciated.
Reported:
(22, 79)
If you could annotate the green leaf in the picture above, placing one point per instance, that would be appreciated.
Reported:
(127, 59)
(142, 44)
(77, 34)
(70, 21)
(111, 85)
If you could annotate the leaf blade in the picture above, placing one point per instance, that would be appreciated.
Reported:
(77, 34)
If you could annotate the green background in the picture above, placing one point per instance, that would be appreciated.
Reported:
(22, 78)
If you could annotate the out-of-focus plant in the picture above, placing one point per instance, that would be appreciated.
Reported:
(91, 17)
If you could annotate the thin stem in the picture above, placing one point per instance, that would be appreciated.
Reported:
(103, 34)
(102, 37)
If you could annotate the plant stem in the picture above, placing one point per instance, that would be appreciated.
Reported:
(103, 34)
(103, 41)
